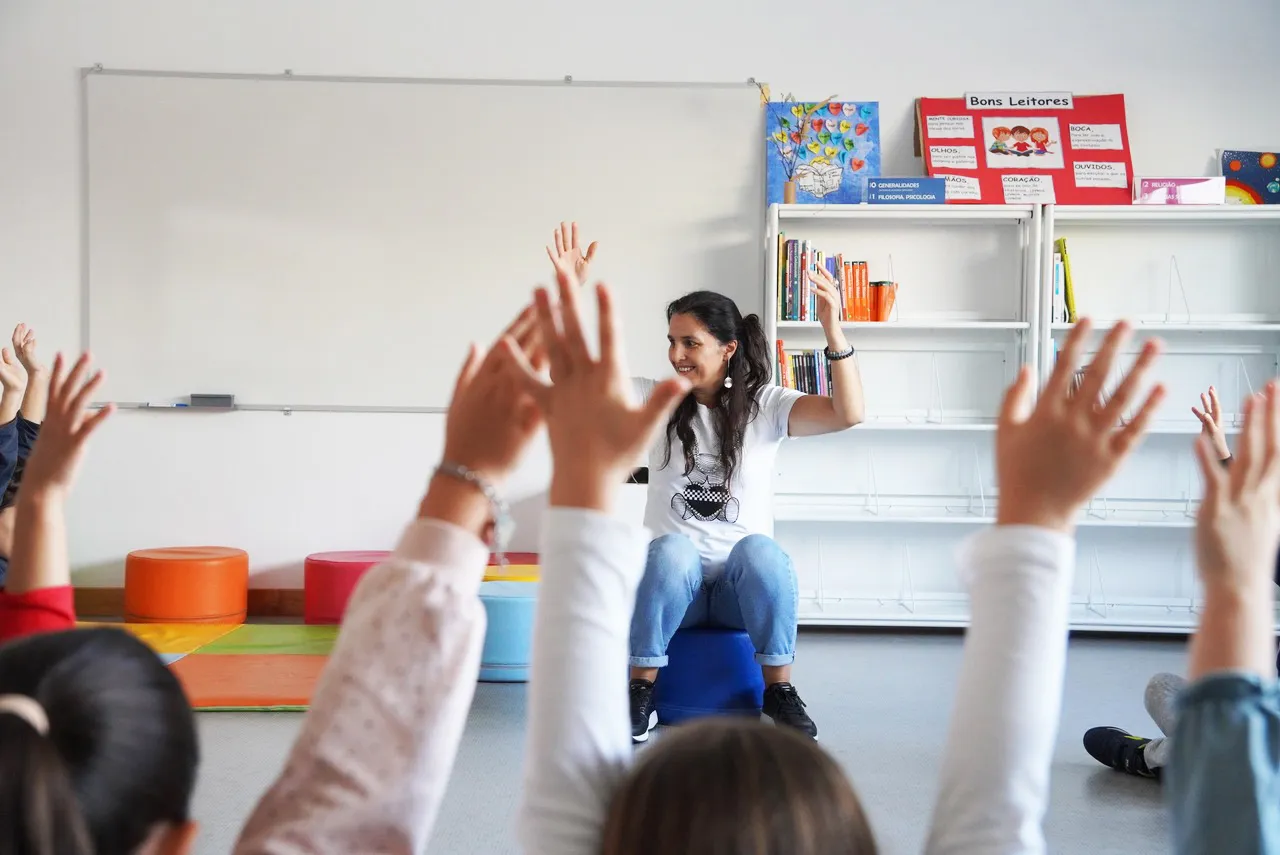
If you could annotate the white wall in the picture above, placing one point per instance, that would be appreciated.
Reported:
(282, 487)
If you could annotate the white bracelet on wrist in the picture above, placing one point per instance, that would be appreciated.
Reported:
(503, 524)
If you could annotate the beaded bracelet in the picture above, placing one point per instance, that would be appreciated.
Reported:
(836, 357)
(502, 522)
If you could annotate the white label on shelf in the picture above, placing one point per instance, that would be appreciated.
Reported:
(964, 187)
(949, 127)
(953, 156)
(1101, 174)
(1021, 189)
(1095, 136)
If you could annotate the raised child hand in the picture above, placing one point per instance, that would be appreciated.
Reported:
(1052, 459)
(568, 256)
(68, 424)
(1211, 418)
(1238, 525)
(595, 428)
(24, 345)
(13, 377)
(491, 417)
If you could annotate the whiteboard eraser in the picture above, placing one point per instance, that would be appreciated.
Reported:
(218, 402)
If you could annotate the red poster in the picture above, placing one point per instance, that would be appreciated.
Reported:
(1015, 149)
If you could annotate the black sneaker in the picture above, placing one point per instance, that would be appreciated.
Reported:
(782, 704)
(644, 717)
(1120, 750)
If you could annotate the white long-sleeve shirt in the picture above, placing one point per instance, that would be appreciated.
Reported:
(995, 773)
(370, 766)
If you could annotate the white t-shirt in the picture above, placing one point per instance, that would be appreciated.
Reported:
(700, 505)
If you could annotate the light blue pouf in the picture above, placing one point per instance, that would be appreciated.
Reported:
(509, 635)
(709, 672)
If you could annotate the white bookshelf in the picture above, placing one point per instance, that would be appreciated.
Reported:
(919, 469)
(872, 517)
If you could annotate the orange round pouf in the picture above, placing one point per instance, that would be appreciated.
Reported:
(186, 584)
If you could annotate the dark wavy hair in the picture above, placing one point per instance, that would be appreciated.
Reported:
(751, 368)
(772, 791)
(120, 755)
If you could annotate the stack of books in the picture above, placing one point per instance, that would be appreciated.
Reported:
(860, 298)
(807, 371)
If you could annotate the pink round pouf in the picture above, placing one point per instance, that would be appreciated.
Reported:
(329, 578)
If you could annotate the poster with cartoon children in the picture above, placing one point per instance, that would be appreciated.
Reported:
(1022, 142)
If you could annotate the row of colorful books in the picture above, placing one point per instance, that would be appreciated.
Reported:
(808, 371)
(860, 298)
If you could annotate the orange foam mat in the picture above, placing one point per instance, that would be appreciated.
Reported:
(260, 682)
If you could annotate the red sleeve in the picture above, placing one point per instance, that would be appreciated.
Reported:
(42, 610)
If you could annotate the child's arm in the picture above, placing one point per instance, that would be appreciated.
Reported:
(35, 402)
(13, 384)
(578, 743)
(1225, 770)
(369, 769)
(995, 772)
(38, 596)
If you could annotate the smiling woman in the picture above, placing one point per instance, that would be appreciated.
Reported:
(713, 560)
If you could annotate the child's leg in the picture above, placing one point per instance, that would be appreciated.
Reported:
(1160, 700)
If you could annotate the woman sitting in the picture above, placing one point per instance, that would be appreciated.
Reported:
(713, 560)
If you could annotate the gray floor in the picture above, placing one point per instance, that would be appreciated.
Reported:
(881, 701)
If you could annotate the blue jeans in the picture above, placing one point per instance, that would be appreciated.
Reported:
(1222, 784)
(757, 592)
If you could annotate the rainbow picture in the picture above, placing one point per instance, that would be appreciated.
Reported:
(1253, 177)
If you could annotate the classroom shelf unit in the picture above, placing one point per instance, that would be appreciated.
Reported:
(873, 516)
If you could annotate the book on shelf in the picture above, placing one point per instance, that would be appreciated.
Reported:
(1211, 190)
(807, 371)
(1068, 293)
(860, 298)
(1059, 310)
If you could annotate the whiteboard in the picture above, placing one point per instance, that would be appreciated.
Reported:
(338, 243)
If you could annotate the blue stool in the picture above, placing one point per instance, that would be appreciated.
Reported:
(509, 635)
(709, 672)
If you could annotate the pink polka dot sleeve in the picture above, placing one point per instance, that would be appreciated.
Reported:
(371, 763)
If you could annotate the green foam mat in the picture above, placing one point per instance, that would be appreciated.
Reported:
(265, 638)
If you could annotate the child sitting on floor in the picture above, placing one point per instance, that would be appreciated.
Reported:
(1138, 755)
